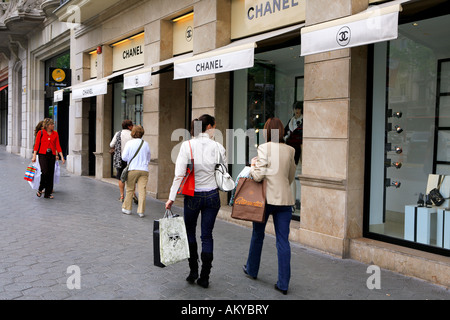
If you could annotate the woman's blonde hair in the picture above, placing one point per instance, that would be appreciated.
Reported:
(47, 122)
(137, 132)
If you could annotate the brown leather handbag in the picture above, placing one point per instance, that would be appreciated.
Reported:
(249, 200)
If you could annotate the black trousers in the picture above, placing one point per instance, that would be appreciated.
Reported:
(47, 163)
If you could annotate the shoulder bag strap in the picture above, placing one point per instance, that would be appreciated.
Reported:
(142, 142)
(40, 140)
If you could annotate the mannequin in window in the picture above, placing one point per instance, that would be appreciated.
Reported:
(294, 138)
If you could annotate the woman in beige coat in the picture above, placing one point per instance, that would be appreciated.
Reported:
(274, 163)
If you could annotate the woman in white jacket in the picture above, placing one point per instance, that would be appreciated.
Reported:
(206, 197)
(137, 171)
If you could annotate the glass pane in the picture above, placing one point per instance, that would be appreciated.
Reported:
(445, 77)
(405, 87)
(268, 89)
(443, 169)
(444, 111)
(443, 149)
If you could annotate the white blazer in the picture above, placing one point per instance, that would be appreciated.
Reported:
(276, 164)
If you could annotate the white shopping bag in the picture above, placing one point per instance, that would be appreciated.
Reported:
(37, 176)
(173, 242)
(57, 173)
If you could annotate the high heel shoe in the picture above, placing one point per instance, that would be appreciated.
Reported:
(278, 289)
(244, 268)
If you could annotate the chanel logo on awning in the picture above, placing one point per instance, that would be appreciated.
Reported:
(343, 36)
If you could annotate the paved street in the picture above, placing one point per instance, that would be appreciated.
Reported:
(84, 227)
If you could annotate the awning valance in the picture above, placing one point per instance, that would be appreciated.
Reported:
(234, 56)
(143, 78)
(93, 87)
(3, 88)
(377, 23)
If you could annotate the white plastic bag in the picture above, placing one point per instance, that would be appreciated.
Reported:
(37, 176)
(173, 242)
(57, 173)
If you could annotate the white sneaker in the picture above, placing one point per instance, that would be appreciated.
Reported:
(141, 215)
(125, 211)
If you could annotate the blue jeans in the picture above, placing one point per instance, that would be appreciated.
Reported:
(208, 203)
(281, 218)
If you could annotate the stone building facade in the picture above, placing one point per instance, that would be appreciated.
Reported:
(159, 63)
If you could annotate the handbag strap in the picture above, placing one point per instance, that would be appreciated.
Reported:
(142, 142)
(219, 159)
(190, 148)
(440, 181)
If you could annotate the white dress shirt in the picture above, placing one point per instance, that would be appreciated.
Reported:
(204, 152)
(142, 159)
(125, 136)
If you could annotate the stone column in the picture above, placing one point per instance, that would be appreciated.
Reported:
(164, 109)
(103, 117)
(78, 158)
(211, 93)
(334, 137)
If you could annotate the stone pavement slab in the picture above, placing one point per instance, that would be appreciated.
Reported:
(84, 227)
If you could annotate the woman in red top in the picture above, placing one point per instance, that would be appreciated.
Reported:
(48, 147)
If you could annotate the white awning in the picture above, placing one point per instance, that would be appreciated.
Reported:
(377, 23)
(90, 88)
(96, 87)
(143, 78)
(234, 56)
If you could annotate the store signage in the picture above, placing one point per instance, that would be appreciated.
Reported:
(129, 53)
(371, 26)
(269, 7)
(137, 79)
(183, 36)
(255, 16)
(58, 96)
(59, 77)
(240, 57)
(90, 89)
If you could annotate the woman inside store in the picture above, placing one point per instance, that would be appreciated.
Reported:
(275, 163)
(48, 147)
(205, 200)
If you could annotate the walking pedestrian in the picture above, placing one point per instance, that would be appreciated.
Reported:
(206, 199)
(275, 163)
(47, 146)
(137, 154)
(118, 142)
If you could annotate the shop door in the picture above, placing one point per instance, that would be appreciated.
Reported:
(3, 116)
(92, 134)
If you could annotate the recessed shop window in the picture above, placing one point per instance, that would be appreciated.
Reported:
(269, 89)
(128, 104)
(410, 137)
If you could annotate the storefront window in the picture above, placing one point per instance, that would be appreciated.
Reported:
(410, 134)
(128, 104)
(269, 89)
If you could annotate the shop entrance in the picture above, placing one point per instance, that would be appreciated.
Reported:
(92, 134)
(270, 89)
(3, 113)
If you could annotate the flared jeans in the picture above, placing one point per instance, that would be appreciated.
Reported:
(281, 219)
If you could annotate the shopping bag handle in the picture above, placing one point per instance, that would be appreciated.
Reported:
(168, 214)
